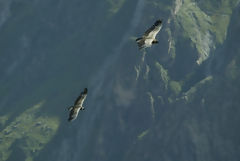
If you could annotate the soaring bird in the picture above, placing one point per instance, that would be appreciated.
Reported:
(77, 105)
(149, 36)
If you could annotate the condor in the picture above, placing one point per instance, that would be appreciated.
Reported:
(78, 105)
(149, 36)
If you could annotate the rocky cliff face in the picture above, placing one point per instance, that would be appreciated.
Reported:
(175, 101)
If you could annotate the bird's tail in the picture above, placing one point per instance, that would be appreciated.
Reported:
(140, 43)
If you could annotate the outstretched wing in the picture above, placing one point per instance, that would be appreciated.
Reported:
(153, 31)
(79, 101)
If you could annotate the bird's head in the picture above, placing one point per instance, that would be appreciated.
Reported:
(154, 41)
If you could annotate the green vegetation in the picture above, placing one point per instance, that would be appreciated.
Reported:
(175, 87)
(146, 74)
(170, 100)
(3, 120)
(161, 100)
(163, 74)
(196, 25)
(152, 104)
(161, 5)
(221, 17)
(188, 96)
(204, 26)
(232, 70)
(115, 5)
(144, 133)
(171, 44)
(34, 132)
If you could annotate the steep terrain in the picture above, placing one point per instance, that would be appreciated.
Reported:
(175, 101)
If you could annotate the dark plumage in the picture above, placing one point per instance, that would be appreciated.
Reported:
(77, 105)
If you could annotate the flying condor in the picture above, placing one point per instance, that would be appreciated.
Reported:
(149, 36)
(78, 105)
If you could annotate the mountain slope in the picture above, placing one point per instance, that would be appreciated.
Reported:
(176, 100)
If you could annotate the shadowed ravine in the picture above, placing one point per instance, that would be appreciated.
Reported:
(98, 87)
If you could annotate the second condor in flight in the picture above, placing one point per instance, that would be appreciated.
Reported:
(149, 36)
